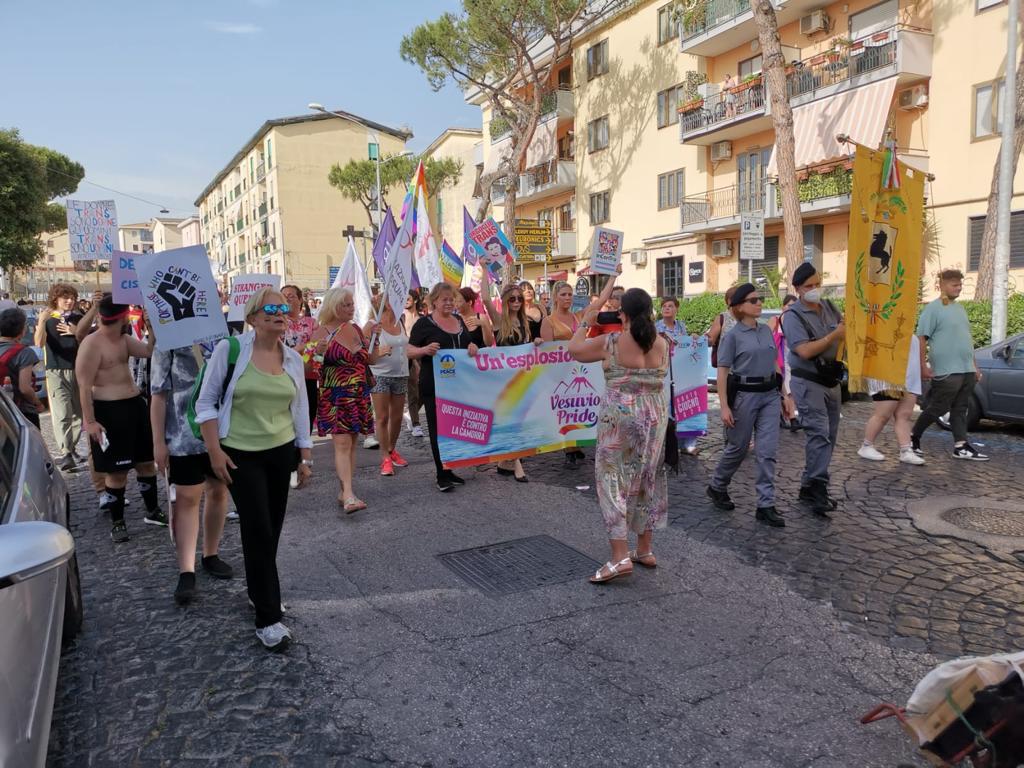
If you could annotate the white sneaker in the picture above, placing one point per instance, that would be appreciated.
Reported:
(417, 431)
(275, 637)
(370, 442)
(232, 515)
(870, 453)
(293, 481)
(907, 456)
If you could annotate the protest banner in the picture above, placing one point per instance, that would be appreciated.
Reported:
(605, 251)
(398, 269)
(493, 248)
(244, 286)
(180, 297)
(510, 402)
(92, 229)
(352, 276)
(428, 265)
(125, 287)
(689, 378)
(451, 265)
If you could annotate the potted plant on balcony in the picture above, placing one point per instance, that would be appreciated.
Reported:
(839, 46)
(692, 105)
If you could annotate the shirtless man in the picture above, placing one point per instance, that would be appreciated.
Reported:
(115, 414)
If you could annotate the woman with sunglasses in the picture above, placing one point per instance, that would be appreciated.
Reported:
(511, 328)
(535, 311)
(344, 412)
(749, 375)
(441, 329)
(253, 416)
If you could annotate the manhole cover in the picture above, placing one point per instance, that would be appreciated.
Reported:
(999, 522)
(519, 565)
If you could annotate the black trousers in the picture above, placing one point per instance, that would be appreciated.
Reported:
(259, 488)
(950, 393)
(313, 395)
(429, 405)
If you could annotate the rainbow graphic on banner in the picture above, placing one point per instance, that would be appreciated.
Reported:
(451, 265)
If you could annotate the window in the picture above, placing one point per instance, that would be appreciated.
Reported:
(668, 106)
(989, 106)
(135, 247)
(270, 159)
(874, 19)
(670, 190)
(770, 260)
(670, 277)
(751, 66)
(565, 78)
(666, 25)
(597, 60)
(599, 213)
(566, 220)
(814, 245)
(597, 134)
(976, 226)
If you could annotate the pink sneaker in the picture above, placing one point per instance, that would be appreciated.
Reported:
(386, 467)
(398, 459)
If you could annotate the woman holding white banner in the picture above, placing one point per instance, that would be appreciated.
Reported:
(631, 489)
(441, 329)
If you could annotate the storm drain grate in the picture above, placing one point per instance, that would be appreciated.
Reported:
(1000, 522)
(519, 565)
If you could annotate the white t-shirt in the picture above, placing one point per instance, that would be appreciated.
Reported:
(913, 380)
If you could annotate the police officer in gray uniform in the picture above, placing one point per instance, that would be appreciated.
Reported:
(814, 328)
(750, 380)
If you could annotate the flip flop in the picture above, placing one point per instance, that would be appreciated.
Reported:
(353, 505)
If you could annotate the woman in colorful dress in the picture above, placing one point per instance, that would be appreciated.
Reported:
(344, 412)
(631, 489)
(301, 328)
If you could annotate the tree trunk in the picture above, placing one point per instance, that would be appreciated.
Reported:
(986, 263)
(774, 68)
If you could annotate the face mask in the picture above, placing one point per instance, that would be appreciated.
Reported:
(813, 295)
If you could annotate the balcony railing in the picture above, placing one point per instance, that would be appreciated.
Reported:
(238, 224)
(262, 210)
(820, 186)
(551, 176)
(747, 98)
(237, 190)
(261, 171)
(862, 56)
(708, 15)
(500, 128)
(723, 203)
(498, 191)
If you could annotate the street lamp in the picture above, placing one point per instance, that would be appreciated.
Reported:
(317, 107)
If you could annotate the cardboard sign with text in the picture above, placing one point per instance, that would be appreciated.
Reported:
(125, 278)
(243, 287)
(180, 297)
(605, 251)
(92, 229)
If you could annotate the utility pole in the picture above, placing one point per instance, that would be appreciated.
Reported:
(1001, 264)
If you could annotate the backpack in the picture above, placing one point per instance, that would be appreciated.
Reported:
(234, 350)
(5, 362)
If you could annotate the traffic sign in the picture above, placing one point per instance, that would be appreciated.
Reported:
(752, 236)
(532, 237)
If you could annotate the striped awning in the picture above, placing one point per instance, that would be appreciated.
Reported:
(860, 113)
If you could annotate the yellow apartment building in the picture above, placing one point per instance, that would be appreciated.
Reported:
(271, 208)
(165, 233)
(190, 232)
(135, 238)
(56, 266)
(675, 138)
(464, 145)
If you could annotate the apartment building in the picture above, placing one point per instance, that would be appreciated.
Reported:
(190, 232)
(271, 208)
(165, 233)
(464, 145)
(135, 238)
(676, 138)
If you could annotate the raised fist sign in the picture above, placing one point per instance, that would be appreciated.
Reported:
(180, 296)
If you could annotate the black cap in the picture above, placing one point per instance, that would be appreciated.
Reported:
(803, 272)
(741, 293)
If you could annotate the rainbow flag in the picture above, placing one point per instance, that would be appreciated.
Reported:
(451, 265)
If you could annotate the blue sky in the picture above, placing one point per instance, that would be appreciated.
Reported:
(154, 98)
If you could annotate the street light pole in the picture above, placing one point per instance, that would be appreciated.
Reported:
(1001, 262)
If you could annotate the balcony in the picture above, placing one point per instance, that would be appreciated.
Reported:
(542, 181)
(261, 171)
(730, 114)
(261, 211)
(565, 247)
(558, 102)
(237, 191)
(717, 26)
(499, 129)
(498, 192)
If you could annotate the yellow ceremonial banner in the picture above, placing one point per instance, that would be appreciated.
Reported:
(884, 268)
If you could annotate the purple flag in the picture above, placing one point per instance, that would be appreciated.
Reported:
(469, 255)
(385, 238)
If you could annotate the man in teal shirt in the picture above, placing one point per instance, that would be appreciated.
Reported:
(946, 333)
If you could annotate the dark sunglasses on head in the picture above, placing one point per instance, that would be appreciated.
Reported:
(275, 309)
(754, 300)
(515, 298)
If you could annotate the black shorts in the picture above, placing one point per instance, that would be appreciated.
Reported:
(190, 470)
(129, 434)
(882, 397)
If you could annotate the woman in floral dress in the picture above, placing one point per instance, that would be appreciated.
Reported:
(631, 489)
(344, 411)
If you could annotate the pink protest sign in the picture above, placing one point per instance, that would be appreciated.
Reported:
(464, 422)
(691, 403)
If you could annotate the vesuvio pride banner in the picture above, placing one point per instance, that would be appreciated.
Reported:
(510, 402)
(690, 384)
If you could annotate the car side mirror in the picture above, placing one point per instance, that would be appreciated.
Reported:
(31, 548)
(1005, 352)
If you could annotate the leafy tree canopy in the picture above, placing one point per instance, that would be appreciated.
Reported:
(30, 177)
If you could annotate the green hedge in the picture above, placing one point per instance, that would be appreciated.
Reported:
(700, 311)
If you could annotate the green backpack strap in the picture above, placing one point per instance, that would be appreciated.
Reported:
(234, 351)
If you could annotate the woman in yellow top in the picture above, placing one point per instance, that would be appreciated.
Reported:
(253, 416)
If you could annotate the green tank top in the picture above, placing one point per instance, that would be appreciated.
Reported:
(261, 416)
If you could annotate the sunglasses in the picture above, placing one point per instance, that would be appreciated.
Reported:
(515, 298)
(754, 300)
(275, 309)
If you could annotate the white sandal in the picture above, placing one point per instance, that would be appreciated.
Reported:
(615, 571)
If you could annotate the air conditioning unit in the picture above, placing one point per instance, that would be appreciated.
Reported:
(913, 98)
(816, 21)
(721, 150)
(707, 90)
(721, 249)
(638, 258)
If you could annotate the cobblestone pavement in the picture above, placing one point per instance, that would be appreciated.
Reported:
(881, 574)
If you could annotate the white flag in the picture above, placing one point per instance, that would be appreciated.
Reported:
(428, 265)
(398, 269)
(352, 275)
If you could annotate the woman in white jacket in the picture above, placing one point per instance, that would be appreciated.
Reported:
(253, 416)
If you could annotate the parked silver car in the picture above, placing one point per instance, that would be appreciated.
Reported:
(40, 593)
(999, 395)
